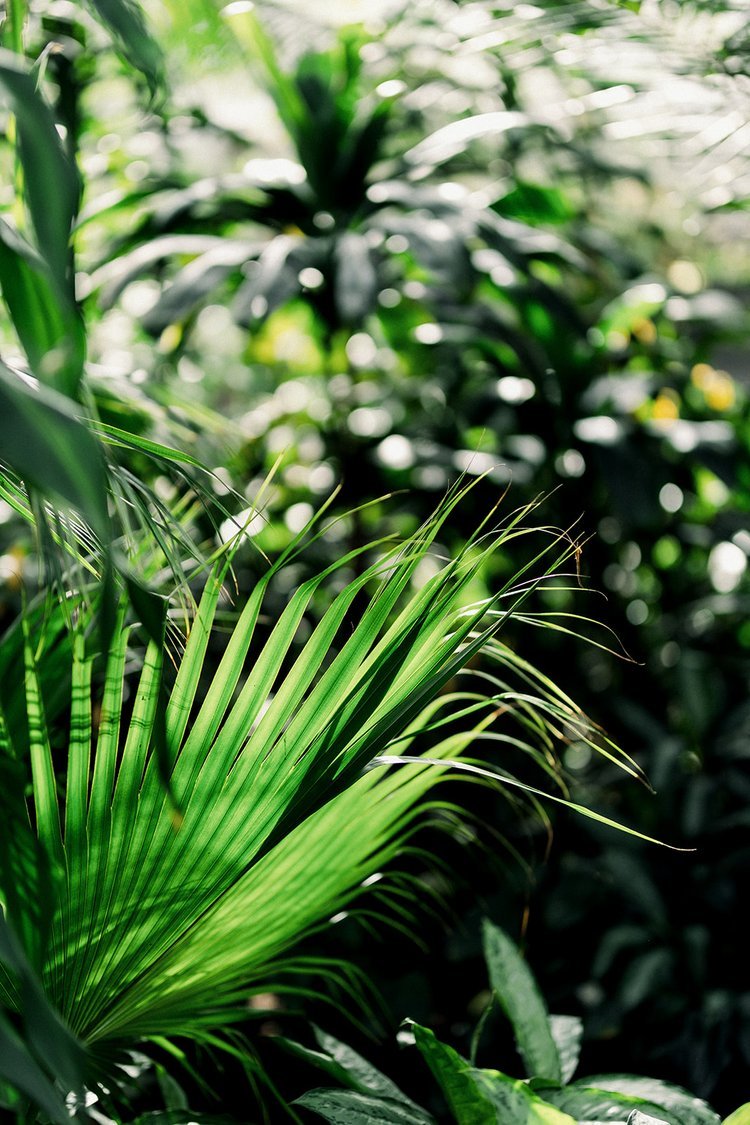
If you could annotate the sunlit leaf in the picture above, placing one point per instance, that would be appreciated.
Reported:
(740, 1116)
(514, 1103)
(454, 1075)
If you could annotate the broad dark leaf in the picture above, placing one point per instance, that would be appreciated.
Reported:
(344, 1107)
(521, 1000)
(344, 1064)
(47, 1036)
(17, 1065)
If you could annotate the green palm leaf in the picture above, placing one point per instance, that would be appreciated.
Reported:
(164, 920)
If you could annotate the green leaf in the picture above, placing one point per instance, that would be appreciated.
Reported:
(690, 1110)
(249, 33)
(173, 1094)
(522, 1002)
(45, 442)
(344, 1107)
(126, 21)
(18, 1066)
(740, 1116)
(344, 1064)
(48, 324)
(166, 920)
(535, 204)
(586, 1101)
(51, 183)
(567, 1032)
(515, 1103)
(25, 878)
(454, 1075)
(356, 283)
(47, 1038)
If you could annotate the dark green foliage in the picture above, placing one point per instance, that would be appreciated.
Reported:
(486, 239)
(481, 1096)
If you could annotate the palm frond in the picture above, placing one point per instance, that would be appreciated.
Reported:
(296, 775)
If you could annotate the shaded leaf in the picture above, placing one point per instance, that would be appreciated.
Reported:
(356, 278)
(567, 1032)
(344, 1107)
(18, 1066)
(47, 322)
(25, 878)
(45, 163)
(47, 1035)
(126, 21)
(196, 281)
(46, 443)
(522, 1002)
(587, 1102)
(348, 1067)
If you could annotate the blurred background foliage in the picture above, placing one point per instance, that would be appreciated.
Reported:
(379, 245)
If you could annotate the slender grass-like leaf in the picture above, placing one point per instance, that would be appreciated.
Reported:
(51, 182)
(47, 1050)
(48, 324)
(45, 441)
(126, 20)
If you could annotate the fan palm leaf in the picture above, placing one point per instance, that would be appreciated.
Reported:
(171, 905)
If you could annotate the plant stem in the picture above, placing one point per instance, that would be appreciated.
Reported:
(13, 40)
(14, 20)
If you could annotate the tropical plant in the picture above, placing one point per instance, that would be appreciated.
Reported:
(549, 1046)
(64, 461)
(294, 775)
(477, 300)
